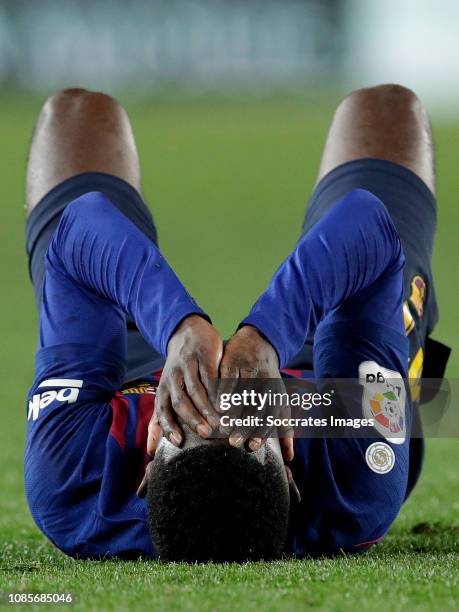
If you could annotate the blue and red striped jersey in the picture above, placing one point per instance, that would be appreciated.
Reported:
(86, 439)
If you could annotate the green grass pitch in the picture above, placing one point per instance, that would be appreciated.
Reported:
(228, 183)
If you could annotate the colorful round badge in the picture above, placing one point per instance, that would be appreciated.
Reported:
(380, 457)
(387, 411)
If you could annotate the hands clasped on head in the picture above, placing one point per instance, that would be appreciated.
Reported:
(186, 395)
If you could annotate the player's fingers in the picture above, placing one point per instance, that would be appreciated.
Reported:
(208, 372)
(292, 484)
(208, 368)
(229, 380)
(248, 372)
(198, 395)
(142, 489)
(285, 432)
(256, 443)
(184, 408)
(154, 434)
(239, 437)
(229, 376)
(286, 445)
(166, 417)
(258, 437)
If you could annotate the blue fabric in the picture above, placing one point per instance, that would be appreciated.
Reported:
(85, 447)
(343, 284)
(345, 505)
(100, 269)
(348, 266)
(411, 206)
(109, 270)
(413, 210)
(83, 459)
(141, 358)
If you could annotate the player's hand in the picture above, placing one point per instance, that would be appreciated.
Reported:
(249, 355)
(194, 352)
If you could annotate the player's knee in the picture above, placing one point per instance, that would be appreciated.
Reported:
(64, 98)
(76, 100)
(394, 96)
(389, 93)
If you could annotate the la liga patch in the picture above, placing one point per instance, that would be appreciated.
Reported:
(380, 457)
(383, 400)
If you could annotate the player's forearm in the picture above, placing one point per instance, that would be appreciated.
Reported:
(106, 253)
(348, 250)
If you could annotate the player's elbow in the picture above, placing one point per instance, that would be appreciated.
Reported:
(373, 221)
(364, 205)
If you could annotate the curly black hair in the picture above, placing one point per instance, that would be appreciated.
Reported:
(214, 503)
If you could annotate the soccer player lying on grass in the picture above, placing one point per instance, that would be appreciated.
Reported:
(114, 314)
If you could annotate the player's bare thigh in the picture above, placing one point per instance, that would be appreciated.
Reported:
(80, 131)
(387, 122)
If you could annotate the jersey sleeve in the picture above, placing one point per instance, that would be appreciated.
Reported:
(103, 251)
(352, 256)
(100, 268)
